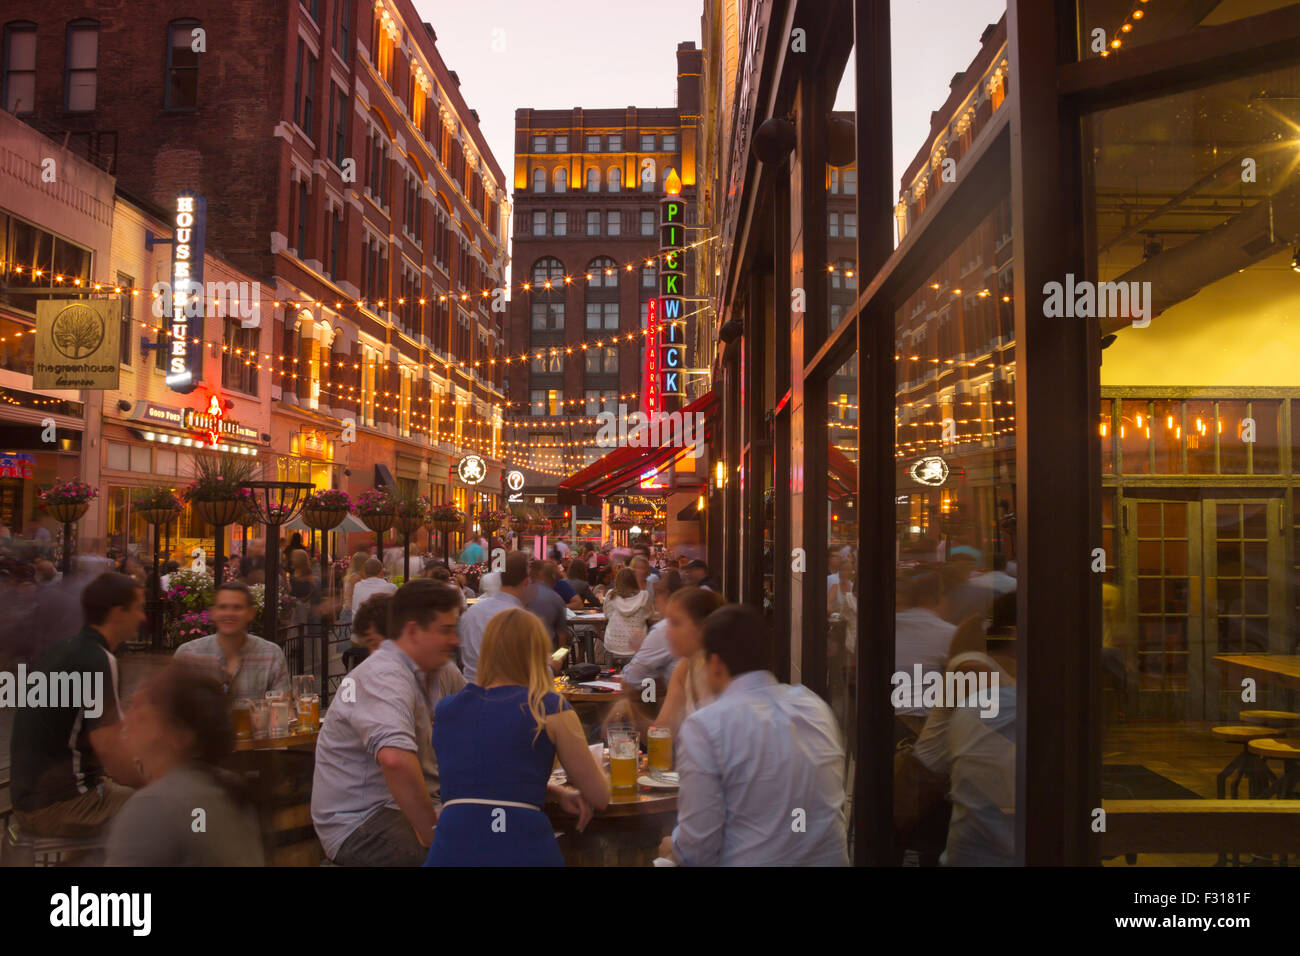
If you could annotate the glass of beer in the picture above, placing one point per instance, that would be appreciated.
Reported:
(659, 741)
(241, 713)
(315, 711)
(303, 705)
(624, 751)
(279, 705)
(259, 713)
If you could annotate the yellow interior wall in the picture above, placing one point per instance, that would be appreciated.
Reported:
(1243, 330)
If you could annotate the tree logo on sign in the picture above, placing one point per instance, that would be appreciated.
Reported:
(77, 332)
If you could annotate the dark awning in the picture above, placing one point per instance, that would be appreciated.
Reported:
(625, 465)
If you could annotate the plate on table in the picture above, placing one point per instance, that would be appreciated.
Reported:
(669, 781)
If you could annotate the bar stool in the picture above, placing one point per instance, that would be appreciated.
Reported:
(1253, 768)
(21, 848)
(1271, 718)
(1287, 751)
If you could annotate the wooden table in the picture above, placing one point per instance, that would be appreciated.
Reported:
(588, 695)
(625, 833)
(592, 619)
(305, 739)
(1280, 669)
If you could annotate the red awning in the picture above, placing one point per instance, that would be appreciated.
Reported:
(842, 475)
(625, 465)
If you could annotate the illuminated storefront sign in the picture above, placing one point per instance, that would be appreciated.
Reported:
(16, 465)
(651, 386)
(471, 469)
(184, 347)
(929, 471)
(672, 288)
(515, 485)
(211, 426)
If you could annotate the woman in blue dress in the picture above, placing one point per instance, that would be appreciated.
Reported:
(496, 743)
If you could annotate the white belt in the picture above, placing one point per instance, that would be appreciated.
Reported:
(492, 803)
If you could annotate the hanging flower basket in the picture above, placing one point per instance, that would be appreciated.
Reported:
(518, 523)
(620, 521)
(218, 513)
(67, 512)
(409, 513)
(446, 517)
(323, 510)
(158, 505)
(376, 509)
(493, 520)
(68, 500)
(539, 524)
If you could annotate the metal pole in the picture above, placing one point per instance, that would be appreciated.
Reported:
(155, 587)
(271, 613)
(219, 554)
(406, 556)
(67, 548)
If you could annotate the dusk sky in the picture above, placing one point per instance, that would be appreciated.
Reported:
(556, 57)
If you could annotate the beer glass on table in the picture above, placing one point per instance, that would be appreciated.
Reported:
(241, 713)
(659, 742)
(279, 704)
(624, 754)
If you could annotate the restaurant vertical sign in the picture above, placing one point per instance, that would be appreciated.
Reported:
(185, 344)
(672, 289)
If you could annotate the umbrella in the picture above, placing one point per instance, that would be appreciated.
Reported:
(349, 523)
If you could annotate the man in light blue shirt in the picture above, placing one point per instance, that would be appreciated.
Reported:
(514, 585)
(762, 767)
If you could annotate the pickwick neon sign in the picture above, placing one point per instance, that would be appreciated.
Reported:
(185, 351)
(672, 288)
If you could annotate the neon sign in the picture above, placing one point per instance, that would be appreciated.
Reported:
(672, 286)
(185, 351)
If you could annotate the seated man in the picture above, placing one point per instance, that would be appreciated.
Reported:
(63, 754)
(247, 665)
(375, 789)
(368, 629)
(762, 767)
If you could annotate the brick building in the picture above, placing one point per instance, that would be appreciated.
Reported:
(342, 169)
(588, 186)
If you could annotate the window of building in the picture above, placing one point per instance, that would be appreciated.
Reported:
(603, 273)
(599, 400)
(850, 225)
(561, 144)
(239, 357)
(561, 226)
(539, 180)
(342, 27)
(616, 143)
(338, 123)
(615, 179)
(849, 181)
(561, 180)
(83, 64)
(539, 222)
(313, 7)
(547, 362)
(593, 144)
(647, 142)
(543, 402)
(304, 85)
(645, 314)
(539, 144)
(548, 316)
(182, 66)
(602, 361)
(42, 256)
(303, 211)
(648, 178)
(602, 315)
(126, 284)
(649, 275)
(613, 222)
(593, 180)
(647, 222)
(833, 225)
(337, 240)
(20, 68)
(670, 142)
(546, 270)
(593, 223)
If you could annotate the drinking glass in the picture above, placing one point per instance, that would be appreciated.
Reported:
(659, 743)
(624, 751)
(240, 714)
(279, 704)
(259, 713)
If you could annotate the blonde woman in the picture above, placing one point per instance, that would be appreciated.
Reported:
(356, 571)
(496, 742)
(626, 609)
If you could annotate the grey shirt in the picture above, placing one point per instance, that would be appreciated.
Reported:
(474, 622)
(389, 703)
(654, 659)
(549, 606)
(157, 826)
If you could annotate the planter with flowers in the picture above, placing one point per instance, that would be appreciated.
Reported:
(216, 495)
(492, 520)
(447, 518)
(375, 508)
(157, 505)
(518, 523)
(67, 501)
(409, 513)
(323, 510)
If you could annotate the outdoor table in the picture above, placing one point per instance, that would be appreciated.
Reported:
(1280, 669)
(279, 772)
(625, 833)
(592, 619)
(304, 739)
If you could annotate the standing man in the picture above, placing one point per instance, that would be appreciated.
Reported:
(511, 593)
(546, 603)
(696, 574)
(62, 756)
(762, 756)
(246, 665)
(375, 791)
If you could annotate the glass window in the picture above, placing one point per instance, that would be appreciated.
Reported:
(141, 459)
(833, 224)
(670, 143)
(649, 276)
(539, 144)
(593, 144)
(648, 177)
(118, 456)
(561, 180)
(647, 222)
(83, 64)
(539, 180)
(602, 273)
(239, 369)
(539, 222)
(601, 361)
(647, 142)
(561, 224)
(548, 316)
(613, 222)
(561, 144)
(182, 66)
(850, 225)
(616, 143)
(593, 223)
(546, 270)
(126, 284)
(165, 461)
(593, 180)
(20, 68)
(615, 178)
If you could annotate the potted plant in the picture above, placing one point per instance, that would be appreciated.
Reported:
(620, 521)
(324, 509)
(157, 505)
(493, 520)
(375, 508)
(518, 523)
(68, 500)
(216, 493)
(446, 517)
(409, 512)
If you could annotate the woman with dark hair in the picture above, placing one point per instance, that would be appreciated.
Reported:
(687, 690)
(177, 729)
(577, 578)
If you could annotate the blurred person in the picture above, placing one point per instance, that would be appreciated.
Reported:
(373, 583)
(356, 571)
(688, 690)
(168, 569)
(640, 566)
(578, 581)
(69, 769)
(440, 574)
(133, 569)
(833, 563)
(568, 594)
(654, 658)
(496, 743)
(997, 579)
(304, 586)
(696, 575)
(543, 601)
(245, 664)
(489, 583)
(961, 597)
(466, 581)
(626, 607)
(46, 573)
(921, 636)
(511, 593)
(369, 630)
(472, 553)
(760, 749)
(375, 790)
(178, 729)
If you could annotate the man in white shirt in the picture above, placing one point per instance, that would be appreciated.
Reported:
(511, 593)
(373, 583)
(752, 758)
(921, 636)
(997, 579)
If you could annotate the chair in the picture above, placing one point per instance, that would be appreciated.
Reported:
(1259, 778)
(1287, 751)
(1270, 718)
(21, 848)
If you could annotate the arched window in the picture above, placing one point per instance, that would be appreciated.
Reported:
(593, 180)
(648, 175)
(604, 273)
(615, 179)
(561, 180)
(548, 269)
(539, 180)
